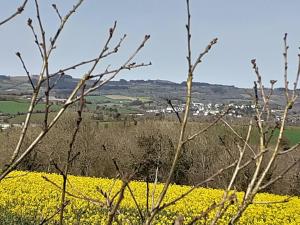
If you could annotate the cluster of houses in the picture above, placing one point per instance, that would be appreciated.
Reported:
(207, 109)
(5, 126)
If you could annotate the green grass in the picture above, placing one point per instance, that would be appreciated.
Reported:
(15, 107)
(292, 134)
(115, 98)
(39, 117)
(103, 100)
(97, 98)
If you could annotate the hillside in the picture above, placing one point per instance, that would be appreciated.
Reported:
(156, 89)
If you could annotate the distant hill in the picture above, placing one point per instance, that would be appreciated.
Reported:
(156, 89)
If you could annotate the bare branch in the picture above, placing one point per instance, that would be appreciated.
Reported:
(57, 12)
(206, 128)
(136, 203)
(272, 202)
(294, 147)
(115, 50)
(209, 179)
(63, 22)
(127, 62)
(25, 68)
(47, 219)
(296, 80)
(82, 197)
(169, 101)
(280, 176)
(239, 136)
(20, 9)
(285, 56)
(207, 49)
(259, 81)
(36, 41)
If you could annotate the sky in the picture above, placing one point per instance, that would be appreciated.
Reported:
(245, 29)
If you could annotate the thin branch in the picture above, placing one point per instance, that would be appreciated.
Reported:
(82, 197)
(294, 147)
(62, 24)
(45, 68)
(25, 68)
(169, 101)
(136, 203)
(154, 188)
(204, 213)
(126, 67)
(272, 202)
(206, 128)
(189, 36)
(20, 9)
(239, 136)
(57, 12)
(208, 47)
(126, 64)
(285, 56)
(69, 154)
(280, 176)
(222, 209)
(112, 212)
(47, 219)
(211, 178)
(115, 49)
(36, 41)
(297, 79)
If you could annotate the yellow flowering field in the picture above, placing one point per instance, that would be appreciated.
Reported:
(28, 198)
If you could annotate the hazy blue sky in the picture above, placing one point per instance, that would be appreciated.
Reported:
(246, 30)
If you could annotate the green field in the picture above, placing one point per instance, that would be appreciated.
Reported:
(113, 101)
(15, 107)
(97, 99)
(116, 99)
(292, 134)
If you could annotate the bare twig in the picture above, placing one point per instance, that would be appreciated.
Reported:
(47, 219)
(294, 147)
(280, 176)
(57, 12)
(82, 197)
(285, 56)
(20, 9)
(206, 128)
(26, 70)
(136, 203)
(36, 40)
(209, 179)
(239, 136)
(272, 202)
(70, 158)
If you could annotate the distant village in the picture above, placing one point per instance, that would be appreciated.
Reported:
(210, 109)
(198, 109)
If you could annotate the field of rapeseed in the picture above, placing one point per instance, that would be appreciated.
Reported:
(27, 199)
